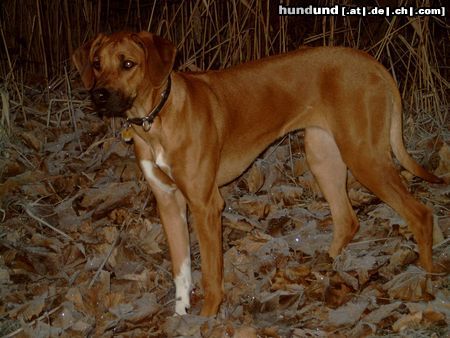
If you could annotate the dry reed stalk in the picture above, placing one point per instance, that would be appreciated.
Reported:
(41, 40)
(213, 34)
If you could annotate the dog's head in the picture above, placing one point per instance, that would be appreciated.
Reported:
(118, 68)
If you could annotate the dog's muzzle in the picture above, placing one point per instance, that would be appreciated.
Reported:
(110, 102)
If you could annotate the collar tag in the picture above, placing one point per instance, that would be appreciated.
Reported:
(126, 133)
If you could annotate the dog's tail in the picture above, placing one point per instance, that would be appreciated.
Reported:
(398, 147)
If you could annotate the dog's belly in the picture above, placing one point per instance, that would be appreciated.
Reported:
(241, 150)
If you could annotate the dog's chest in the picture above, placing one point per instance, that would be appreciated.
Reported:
(154, 164)
(158, 173)
(162, 164)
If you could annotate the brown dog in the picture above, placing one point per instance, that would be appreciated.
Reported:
(194, 132)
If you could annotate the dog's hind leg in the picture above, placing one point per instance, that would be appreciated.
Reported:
(330, 171)
(381, 177)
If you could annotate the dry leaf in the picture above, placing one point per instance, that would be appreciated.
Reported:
(42, 329)
(150, 236)
(349, 279)
(350, 261)
(287, 194)
(347, 314)
(411, 285)
(444, 161)
(245, 332)
(4, 276)
(359, 196)
(300, 166)
(408, 322)
(440, 304)
(28, 177)
(142, 308)
(337, 295)
(108, 196)
(238, 222)
(401, 257)
(362, 329)
(383, 211)
(381, 313)
(31, 309)
(31, 140)
(308, 239)
(434, 317)
(313, 333)
(187, 325)
(280, 299)
(290, 276)
(251, 205)
(438, 236)
(255, 177)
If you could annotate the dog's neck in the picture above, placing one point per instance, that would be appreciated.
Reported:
(143, 114)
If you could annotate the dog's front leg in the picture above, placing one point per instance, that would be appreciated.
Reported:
(206, 213)
(172, 212)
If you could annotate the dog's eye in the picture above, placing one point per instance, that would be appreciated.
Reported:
(96, 64)
(127, 64)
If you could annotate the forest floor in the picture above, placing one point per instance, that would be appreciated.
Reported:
(83, 253)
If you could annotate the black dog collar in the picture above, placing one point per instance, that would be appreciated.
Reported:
(146, 122)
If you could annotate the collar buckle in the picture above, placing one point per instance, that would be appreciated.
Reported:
(146, 124)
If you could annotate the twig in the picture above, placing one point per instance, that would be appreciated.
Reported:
(441, 243)
(71, 110)
(4, 215)
(111, 248)
(40, 220)
(46, 314)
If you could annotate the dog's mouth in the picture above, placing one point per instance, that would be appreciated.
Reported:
(110, 102)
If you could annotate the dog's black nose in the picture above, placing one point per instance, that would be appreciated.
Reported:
(100, 95)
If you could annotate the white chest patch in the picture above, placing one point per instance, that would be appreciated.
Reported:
(162, 164)
(160, 161)
(149, 169)
(183, 284)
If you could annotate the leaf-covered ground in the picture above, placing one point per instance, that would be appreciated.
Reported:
(83, 252)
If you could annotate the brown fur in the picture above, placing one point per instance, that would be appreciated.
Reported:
(215, 124)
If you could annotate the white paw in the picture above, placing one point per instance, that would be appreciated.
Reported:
(183, 283)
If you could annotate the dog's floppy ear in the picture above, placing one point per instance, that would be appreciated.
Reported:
(160, 56)
(81, 61)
